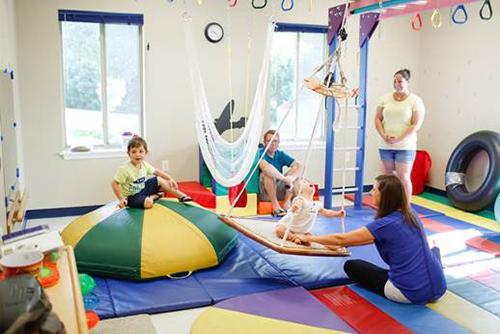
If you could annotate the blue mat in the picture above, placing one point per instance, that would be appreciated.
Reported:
(418, 318)
(242, 272)
(485, 297)
(118, 298)
(105, 307)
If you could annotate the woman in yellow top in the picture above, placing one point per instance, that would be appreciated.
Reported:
(399, 116)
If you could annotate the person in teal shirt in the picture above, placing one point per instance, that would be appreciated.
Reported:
(137, 184)
(275, 184)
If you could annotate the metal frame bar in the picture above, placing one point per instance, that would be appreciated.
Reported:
(368, 24)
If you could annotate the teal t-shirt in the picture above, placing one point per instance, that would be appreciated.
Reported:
(133, 179)
(280, 159)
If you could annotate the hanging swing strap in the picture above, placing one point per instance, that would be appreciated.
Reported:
(261, 6)
(486, 7)
(456, 12)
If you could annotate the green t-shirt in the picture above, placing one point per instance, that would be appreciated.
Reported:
(133, 179)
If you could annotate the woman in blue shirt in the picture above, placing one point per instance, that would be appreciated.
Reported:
(415, 273)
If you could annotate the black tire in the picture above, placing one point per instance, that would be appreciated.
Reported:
(485, 194)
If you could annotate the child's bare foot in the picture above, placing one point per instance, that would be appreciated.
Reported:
(148, 202)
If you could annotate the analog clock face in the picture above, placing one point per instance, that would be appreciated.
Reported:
(214, 32)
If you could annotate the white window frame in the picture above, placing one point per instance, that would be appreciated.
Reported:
(105, 150)
(291, 144)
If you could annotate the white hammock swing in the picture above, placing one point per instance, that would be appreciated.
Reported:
(230, 162)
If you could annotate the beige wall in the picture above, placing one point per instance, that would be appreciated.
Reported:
(459, 66)
(55, 182)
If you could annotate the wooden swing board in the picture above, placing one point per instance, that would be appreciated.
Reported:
(338, 91)
(263, 231)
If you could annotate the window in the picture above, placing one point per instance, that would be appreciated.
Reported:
(102, 66)
(297, 51)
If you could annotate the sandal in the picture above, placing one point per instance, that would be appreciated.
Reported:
(279, 213)
(185, 199)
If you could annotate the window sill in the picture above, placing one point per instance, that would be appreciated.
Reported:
(301, 145)
(110, 153)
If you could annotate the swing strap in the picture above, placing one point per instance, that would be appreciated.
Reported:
(454, 16)
(486, 6)
(261, 6)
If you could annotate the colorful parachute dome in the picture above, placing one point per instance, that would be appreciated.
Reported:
(169, 238)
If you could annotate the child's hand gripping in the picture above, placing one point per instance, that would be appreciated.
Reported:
(122, 203)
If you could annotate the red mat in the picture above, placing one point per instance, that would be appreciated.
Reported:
(435, 226)
(367, 200)
(198, 193)
(484, 245)
(360, 314)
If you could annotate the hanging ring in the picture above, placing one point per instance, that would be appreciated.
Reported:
(286, 9)
(232, 3)
(416, 22)
(486, 5)
(255, 6)
(436, 19)
(455, 18)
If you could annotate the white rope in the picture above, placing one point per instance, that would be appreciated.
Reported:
(316, 122)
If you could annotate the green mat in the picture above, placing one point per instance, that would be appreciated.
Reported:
(444, 200)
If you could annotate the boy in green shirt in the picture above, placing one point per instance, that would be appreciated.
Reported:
(137, 184)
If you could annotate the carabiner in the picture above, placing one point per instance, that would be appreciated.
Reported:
(486, 5)
(436, 19)
(264, 4)
(286, 9)
(455, 18)
(416, 22)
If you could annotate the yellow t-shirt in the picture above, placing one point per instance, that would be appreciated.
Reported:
(397, 118)
(133, 179)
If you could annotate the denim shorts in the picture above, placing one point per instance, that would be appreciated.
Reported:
(151, 187)
(399, 156)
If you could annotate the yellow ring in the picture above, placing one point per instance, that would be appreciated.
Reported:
(436, 15)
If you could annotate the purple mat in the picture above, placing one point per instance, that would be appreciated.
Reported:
(293, 304)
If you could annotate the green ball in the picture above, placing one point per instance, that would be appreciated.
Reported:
(87, 283)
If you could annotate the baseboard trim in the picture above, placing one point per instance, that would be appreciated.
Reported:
(442, 193)
(60, 212)
(435, 191)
